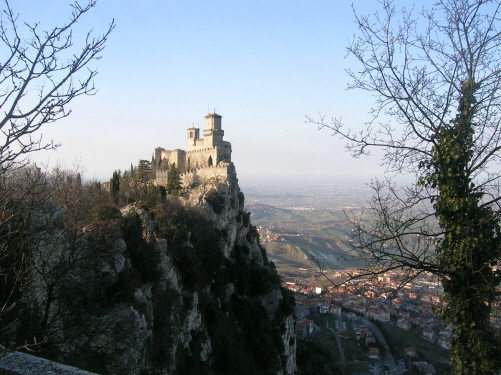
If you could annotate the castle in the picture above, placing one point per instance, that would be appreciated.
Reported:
(204, 157)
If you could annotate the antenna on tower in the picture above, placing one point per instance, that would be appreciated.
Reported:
(208, 108)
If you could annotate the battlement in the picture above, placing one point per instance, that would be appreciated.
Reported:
(201, 153)
(195, 151)
(198, 176)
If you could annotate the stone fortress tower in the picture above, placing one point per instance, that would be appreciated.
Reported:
(202, 155)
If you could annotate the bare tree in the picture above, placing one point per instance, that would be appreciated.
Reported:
(41, 73)
(62, 232)
(19, 190)
(436, 77)
(71, 243)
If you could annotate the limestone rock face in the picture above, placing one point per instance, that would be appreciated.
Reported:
(204, 300)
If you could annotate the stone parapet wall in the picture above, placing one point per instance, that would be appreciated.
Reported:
(197, 176)
(200, 159)
(16, 363)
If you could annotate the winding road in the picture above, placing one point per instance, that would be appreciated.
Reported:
(391, 363)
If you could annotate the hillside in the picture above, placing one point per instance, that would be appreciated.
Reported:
(172, 285)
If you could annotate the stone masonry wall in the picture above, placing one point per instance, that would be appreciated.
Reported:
(16, 363)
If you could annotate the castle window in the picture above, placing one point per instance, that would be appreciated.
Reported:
(210, 161)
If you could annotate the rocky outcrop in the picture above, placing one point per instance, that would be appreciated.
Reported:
(185, 288)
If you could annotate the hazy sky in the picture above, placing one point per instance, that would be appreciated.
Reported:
(262, 64)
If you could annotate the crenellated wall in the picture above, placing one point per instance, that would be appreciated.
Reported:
(201, 176)
(200, 152)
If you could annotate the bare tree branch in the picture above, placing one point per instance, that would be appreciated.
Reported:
(41, 74)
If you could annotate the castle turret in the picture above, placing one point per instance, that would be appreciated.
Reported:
(213, 121)
(193, 136)
(213, 134)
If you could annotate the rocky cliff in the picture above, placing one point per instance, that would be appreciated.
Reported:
(181, 286)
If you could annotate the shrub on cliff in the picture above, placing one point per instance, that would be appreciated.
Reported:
(140, 253)
(215, 200)
(193, 242)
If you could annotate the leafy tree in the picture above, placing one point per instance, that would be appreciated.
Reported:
(162, 191)
(143, 171)
(470, 246)
(215, 200)
(152, 194)
(174, 184)
(115, 186)
(447, 222)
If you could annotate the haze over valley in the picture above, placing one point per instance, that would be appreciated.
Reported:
(299, 221)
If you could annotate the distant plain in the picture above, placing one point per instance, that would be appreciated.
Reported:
(299, 223)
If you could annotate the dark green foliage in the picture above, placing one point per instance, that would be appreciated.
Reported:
(186, 363)
(244, 341)
(264, 347)
(312, 358)
(241, 198)
(263, 253)
(165, 303)
(250, 278)
(132, 231)
(192, 242)
(122, 291)
(107, 212)
(260, 279)
(241, 250)
(140, 253)
(288, 305)
(163, 192)
(143, 171)
(246, 218)
(470, 246)
(152, 195)
(243, 338)
(115, 186)
(171, 221)
(253, 236)
(187, 263)
(215, 200)
(174, 184)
